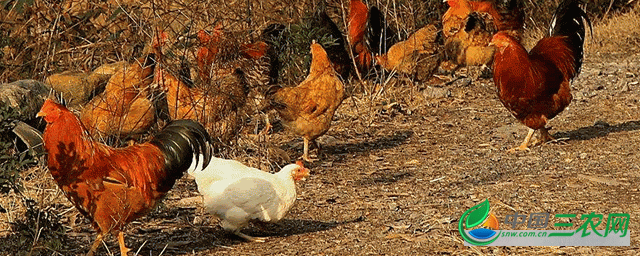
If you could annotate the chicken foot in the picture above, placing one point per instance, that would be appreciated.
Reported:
(525, 144)
(123, 249)
(95, 244)
(544, 137)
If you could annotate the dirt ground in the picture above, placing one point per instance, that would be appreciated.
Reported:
(398, 170)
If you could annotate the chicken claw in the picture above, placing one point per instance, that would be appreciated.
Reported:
(525, 144)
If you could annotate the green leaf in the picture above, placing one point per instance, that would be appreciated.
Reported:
(478, 214)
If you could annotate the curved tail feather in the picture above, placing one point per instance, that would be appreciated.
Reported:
(180, 141)
(570, 21)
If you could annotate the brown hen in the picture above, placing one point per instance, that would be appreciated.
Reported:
(124, 108)
(420, 54)
(218, 107)
(469, 25)
(308, 108)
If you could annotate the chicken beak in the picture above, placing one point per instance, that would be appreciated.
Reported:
(40, 114)
(303, 173)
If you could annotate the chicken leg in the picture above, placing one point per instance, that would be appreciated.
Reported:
(305, 156)
(123, 249)
(525, 144)
(544, 136)
(95, 244)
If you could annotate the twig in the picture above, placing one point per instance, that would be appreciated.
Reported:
(608, 9)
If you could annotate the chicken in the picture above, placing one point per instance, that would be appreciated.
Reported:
(308, 108)
(208, 51)
(420, 54)
(124, 108)
(218, 106)
(358, 15)
(508, 18)
(469, 25)
(221, 55)
(114, 186)
(535, 86)
(368, 34)
(237, 193)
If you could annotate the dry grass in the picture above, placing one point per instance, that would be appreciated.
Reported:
(48, 37)
(620, 33)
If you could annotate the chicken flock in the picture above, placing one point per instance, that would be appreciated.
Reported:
(198, 114)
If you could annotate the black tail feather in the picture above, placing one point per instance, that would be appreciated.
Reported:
(379, 37)
(570, 21)
(336, 51)
(274, 36)
(180, 141)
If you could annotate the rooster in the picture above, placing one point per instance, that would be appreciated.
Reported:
(237, 193)
(114, 186)
(207, 51)
(337, 50)
(358, 15)
(379, 37)
(368, 34)
(535, 85)
(308, 108)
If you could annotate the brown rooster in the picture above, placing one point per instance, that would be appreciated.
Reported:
(368, 34)
(420, 54)
(114, 186)
(358, 15)
(535, 85)
(308, 108)
(124, 107)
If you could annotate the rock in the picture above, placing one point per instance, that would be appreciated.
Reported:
(25, 95)
(462, 82)
(436, 92)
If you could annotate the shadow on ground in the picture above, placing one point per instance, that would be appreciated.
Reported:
(599, 129)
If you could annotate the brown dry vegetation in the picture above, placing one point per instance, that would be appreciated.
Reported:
(401, 163)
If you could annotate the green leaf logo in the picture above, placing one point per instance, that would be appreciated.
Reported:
(473, 218)
(477, 214)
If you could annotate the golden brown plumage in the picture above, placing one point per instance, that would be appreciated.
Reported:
(114, 186)
(469, 25)
(218, 106)
(124, 107)
(420, 54)
(308, 108)
(535, 86)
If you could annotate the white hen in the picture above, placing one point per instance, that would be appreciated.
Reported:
(237, 193)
